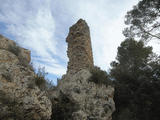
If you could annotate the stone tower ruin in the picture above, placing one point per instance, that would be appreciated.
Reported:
(79, 47)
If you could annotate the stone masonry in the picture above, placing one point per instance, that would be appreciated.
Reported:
(79, 47)
(89, 100)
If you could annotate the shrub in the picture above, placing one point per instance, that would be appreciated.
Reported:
(14, 49)
(31, 83)
(23, 61)
(40, 79)
(99, 76)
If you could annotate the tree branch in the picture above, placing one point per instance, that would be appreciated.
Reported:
(155, 36)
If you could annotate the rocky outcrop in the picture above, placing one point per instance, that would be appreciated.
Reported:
(10, 45)
(89, 100)
(74, 98)
(79, 47)
(20, 98)
(94, 102)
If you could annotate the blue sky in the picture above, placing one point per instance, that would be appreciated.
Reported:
(42, 27)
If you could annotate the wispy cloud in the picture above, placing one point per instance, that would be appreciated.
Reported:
(33, 26)
(106, 22)
(42, 26)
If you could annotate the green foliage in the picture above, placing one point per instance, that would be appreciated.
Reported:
(63, 109)
(132, 57)
(147, 99)
(99, 76)
(14, 49)
(125, 114)
(136, 75)
(23, 61)
(40, 79)
(143, 20)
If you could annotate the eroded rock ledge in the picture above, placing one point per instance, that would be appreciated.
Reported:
(20, 99)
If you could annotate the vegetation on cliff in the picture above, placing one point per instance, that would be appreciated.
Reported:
(136, 71)
(135, 74)
(143, 20)
(99, 76)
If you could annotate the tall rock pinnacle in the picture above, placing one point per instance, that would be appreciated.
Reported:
(89, 100)
(79, 47)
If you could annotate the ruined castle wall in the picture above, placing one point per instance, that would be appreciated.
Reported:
(79, 47)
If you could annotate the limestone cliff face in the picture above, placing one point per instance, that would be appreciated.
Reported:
(93, 102)
(7, 44)
(20, 99)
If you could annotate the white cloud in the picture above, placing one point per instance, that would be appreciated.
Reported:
(106, 21)
(51, 68)
(33, 28)
(34, 25)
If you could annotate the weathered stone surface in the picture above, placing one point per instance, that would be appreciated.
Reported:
(96, 102)
(79, 47)
(5, 43)
(20, 98)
